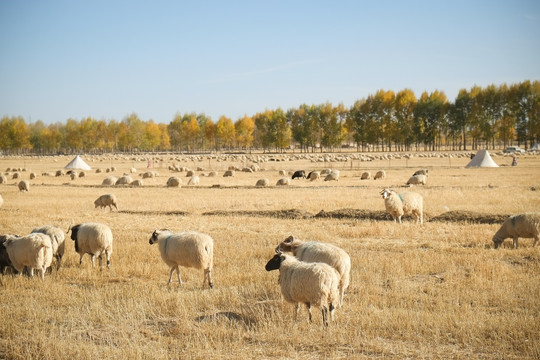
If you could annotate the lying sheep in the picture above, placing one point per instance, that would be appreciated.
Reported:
(93, 239)
(124, 180)
(33, 251)
(313, 284)
(57, 241)
(283, 182)
(311, 251)
(188, 249)
(417, 180)
(24, 185)
(381, 174)
(402, 204)
(525, 225)
(106, 200)
(366, 175)
(262, 183)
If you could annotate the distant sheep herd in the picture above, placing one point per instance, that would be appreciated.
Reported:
(310, 273)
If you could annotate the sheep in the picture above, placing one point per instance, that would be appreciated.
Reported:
(82, 174)
(33, 175)
(57, 240)
(3, 179)
(137, 182)
(33, 251)
(314, 175)
(311, 251)
(106, 200)
(93, 239)
(59, 173)
(194, 180)
(73, 175)
(228, 173)
(148, 175)
(282, 173)
(4, 257)
(262, 183)
(313, 284)
(421, 172)
(124, 180)
(174, 181)
(299, 174)
(188, 249)
(381, 174)
(24, 185)
(109, 181)
(525, 225)
(366, 175)
(333, 175)
(283, 182)
(417, 180)
(402, 204)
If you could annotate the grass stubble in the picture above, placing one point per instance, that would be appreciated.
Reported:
(436, 290)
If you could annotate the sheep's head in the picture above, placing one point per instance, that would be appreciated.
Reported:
(288, 245)
(155, 236)
(74, 231)
(275, 262)
(386, 193)
(497, 241)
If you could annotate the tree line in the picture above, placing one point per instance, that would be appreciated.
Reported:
(487, 117)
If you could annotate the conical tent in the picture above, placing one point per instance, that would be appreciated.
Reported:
(482, 159)
(78, 163)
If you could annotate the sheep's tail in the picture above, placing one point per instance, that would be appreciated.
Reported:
(70, 226)
(43, 243)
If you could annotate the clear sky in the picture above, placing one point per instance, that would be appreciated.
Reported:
(108, 59)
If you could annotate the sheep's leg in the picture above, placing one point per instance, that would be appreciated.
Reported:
(171, 275)
(535, 240)
(80, 259)
(325, 315)
(58, 261)
(208, 274)
(308, 305)
(399, 219)
(296, 312)
(515, 242)
(332, 308)
(31, 272)
(108, 259)
(43, 269)
(178, 273)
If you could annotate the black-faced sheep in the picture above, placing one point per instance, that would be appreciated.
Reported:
(402, 204)
(314, 175)
(312, 284)
(333, 176)
(4, 257)
(33, 251)
(299, 174)
(124, 180)
(312, 251)
(525, 225)
(106, 200)
(93, 239)
(189, 249)
(57, 240)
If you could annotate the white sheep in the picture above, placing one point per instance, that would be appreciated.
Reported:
(283, 182)
(106, 200)
(188, 249)
(312, 284)
(525, 225)
(194, 180)
(314, 175)
(33, 251)
(137, 182)
(24, 185)
(402, 204)
(262, 183)
(332, 176)
(381, 174)
(124, 180)
(311, 251)
(417, 180)
(57, 241)
(94, 239)
(366, 175)
(109, 181)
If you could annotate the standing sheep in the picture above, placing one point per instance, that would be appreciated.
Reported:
(525, 225)
(93, 239)
(314, 175)
(24, 185)
(124, 180)
(417, 180)
(381, 174)
(194, 180)
(313, 284)
(33, 251)
(366, 175)
(109, 181)
(332, 176)
(311, 251)
(188, 249)
(106, 200)
(283, 182)
(57, 241)
(4, 257)
(262, 183)
(299, 174)
(174, 181)
(402, 204)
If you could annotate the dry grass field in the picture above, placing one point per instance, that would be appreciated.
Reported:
(432, 291)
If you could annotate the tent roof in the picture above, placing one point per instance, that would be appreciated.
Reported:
(482, 159)
(78, 163)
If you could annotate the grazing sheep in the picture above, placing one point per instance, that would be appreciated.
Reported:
(311, 251)
(174, 182)
(188, 249)
(57, 240)
(283, 182)
(194, 180)
(228, 173)
(262, 183)
(1, 201)
(109, 181)
(313, 284)
(381, 174)
(137, 183)
(525, 225)
(4, 257)
(93, 239)
(33, 251)
(148, 175)
(366, 175)
(124, 180)
(421, 172)
(299, 174)
(417, 180)
(106, 200)
(314, 175)
(402, 204)
(333, 175)
(24, 185)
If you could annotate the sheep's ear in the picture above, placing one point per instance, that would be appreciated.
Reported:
(290, 239)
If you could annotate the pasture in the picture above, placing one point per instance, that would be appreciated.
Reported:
(437, 290)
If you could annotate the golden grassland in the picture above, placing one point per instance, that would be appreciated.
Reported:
(437, 290)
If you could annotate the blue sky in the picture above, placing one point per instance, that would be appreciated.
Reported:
(108, 59)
